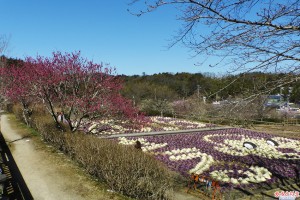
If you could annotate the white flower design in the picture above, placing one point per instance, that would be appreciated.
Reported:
(263, 148)
(191, 153)
(254, 175)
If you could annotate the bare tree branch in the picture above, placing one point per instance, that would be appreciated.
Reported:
(244, 35)
(4, 40)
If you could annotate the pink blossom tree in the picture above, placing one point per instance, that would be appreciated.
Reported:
(17, 85)
(79, 88)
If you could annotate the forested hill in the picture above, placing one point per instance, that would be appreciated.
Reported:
(168, 86)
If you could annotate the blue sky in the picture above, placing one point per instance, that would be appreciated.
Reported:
(104, 31)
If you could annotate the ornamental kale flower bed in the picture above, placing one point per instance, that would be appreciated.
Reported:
(150, 124)
(221, 155)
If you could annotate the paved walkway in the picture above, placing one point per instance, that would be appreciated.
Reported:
(166, 132)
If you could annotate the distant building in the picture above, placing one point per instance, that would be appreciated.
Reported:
(274, 101)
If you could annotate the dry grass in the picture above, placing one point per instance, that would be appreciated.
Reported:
(286, 130)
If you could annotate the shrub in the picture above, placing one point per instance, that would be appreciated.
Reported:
(124, 168)
(156, 107)
(17, 110)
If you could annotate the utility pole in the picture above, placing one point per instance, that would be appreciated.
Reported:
(290, 92)
(133, 100)
(281, 89)
(198, 91)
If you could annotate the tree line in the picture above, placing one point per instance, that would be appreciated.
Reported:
(178, 86)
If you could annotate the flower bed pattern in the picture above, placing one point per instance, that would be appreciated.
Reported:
(220, 154)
